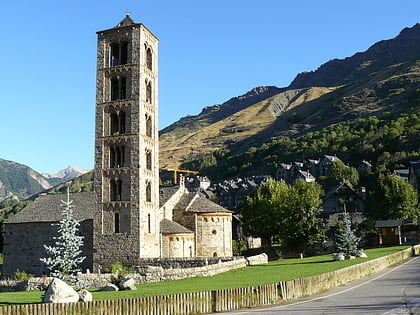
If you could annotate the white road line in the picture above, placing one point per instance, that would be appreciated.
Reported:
(349, 289)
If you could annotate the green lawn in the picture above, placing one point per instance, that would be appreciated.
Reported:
(275, 271)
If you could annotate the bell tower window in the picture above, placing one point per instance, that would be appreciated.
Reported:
(149, 60)
(116, 190)
(149, 160)
(118, 122)
(116, 222)
(148, 126)
(116, 156)
(149, 92)
(118, 88)
(119, 54)
(148, 192)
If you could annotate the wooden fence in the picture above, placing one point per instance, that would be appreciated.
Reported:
(185, 303)
(218, 300)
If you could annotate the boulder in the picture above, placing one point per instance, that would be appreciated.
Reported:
(85, 295)
(127, 284)
(339, 257)
(257, 259)
(60, 292)
(109, 287)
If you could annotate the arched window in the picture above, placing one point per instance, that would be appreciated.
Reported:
(116, 222)
(117, 156)
(118, 122)
(116, 190)
(149, 224)
(118, 88)
(149, 92)
(119, 54)
(149, 160)
(149, 126)
(149, 59)
(148, 192)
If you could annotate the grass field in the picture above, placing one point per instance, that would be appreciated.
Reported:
(275, 271)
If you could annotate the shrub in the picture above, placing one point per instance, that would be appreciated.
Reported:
(21, 276)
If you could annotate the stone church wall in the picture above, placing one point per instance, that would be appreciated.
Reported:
(24, 246)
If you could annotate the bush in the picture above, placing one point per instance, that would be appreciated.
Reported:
(22, 276)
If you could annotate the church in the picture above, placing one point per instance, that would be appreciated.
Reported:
(127, 217)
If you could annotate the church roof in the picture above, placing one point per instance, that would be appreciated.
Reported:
(126, 21)
(203, 205)
(47, 208)
(171, 227)
(165, 193)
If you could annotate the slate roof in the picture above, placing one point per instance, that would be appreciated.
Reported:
(337, 188)
(165, 193)
(126, 21)
(47, 208)
(194, 203)
(203, 205)
(388, 223)
(171, 227)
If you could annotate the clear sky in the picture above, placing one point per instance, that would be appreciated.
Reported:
(209, 51)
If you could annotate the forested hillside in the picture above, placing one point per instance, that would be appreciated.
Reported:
(387, 143)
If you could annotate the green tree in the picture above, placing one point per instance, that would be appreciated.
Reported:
(394, 198)
(301, 225)
(345, 240)
(339, 172)
(64, 258)
(288, 214)
(261, 211)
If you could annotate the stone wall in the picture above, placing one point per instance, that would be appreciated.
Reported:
(148, 274)
(24, 246)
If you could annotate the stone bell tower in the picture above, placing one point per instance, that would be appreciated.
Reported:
(126, 185)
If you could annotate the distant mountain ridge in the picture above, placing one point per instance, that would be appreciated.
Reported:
(64, 175)
(18, 181)
(401, 49)
(383, 79)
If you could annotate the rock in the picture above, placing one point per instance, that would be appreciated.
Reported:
(339, 257)
(127, 284)
(60, 292)
(257, 259)
(362, 255)
(109, 287)
(85, 295)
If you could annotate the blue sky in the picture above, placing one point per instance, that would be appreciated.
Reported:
(209, 51)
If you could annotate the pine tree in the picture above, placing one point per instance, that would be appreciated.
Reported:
(65, 255)
(345, 240)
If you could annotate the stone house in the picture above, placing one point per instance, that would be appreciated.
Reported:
(284, 172)
(342, 198)
(325, 163)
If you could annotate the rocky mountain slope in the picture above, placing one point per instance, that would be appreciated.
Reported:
(18, 181)
(64, 175)
(383, 79)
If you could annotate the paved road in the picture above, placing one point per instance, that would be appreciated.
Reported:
(393, 291)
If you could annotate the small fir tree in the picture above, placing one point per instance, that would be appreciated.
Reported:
(65, 255)
(345, 240)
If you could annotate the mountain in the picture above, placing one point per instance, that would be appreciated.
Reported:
(383, 80)
(64, 175)
(20, 181)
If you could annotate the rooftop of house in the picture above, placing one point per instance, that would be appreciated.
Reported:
(388, 223)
